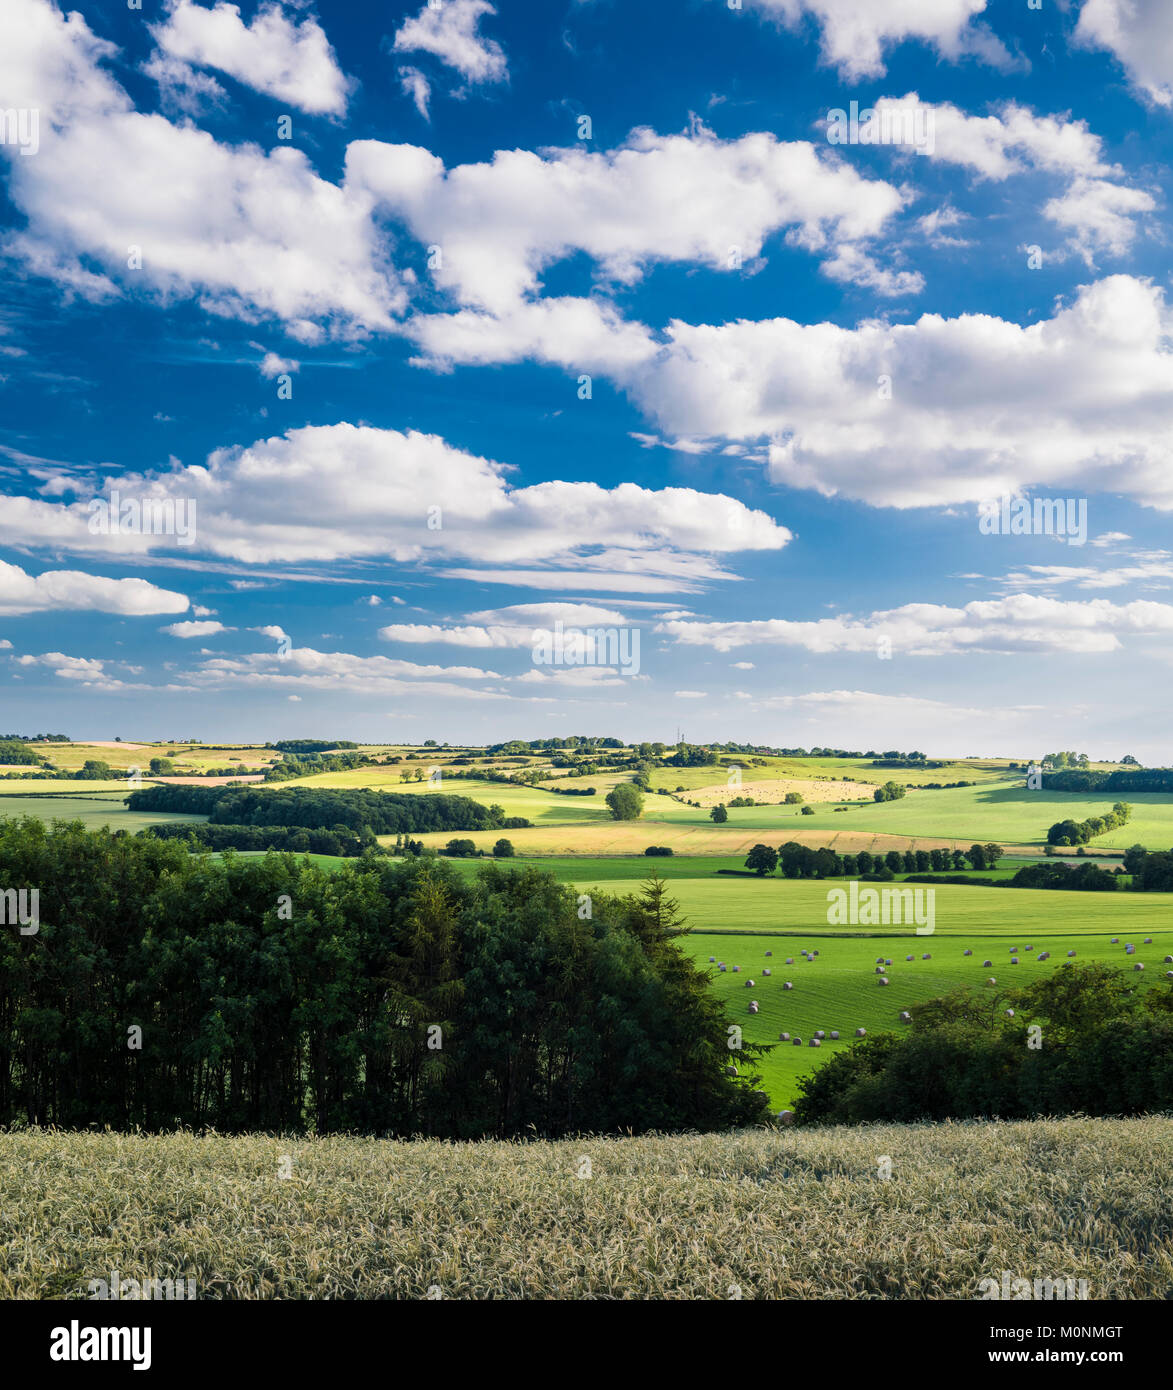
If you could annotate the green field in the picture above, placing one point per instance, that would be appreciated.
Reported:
(92, 809)
(755, 1215)
(839, 990)
(1004, 812)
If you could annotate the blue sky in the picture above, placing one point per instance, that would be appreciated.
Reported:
(358, 354)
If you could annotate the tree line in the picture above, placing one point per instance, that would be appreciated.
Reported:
(800, 861)
(1086, 1039)
(164, 989)
(1148, 779)
(1073, 832)
(355, 809)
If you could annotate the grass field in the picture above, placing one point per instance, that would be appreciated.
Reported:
(92, 809)
(756, 1215)
(839, 990)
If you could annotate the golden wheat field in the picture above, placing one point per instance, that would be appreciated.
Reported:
(765, 1214)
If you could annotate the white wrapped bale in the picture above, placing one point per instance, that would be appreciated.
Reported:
(883, 980)
(766, 971)
(788, 985)
(815, 1042)
(834, 1034)
(905, 1016)
(861, 1032)
(785, 1117)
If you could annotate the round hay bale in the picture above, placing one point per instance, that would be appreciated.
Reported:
(1071, 953)
(789, 960)
(815, 1042)
(762, 1095)
(788, 985)
(1013, 960)
(749, 984)
(820, 1033)
(905, 1016)
(712, 959)
(732, 1071)
(1169, 960)
(785, 1117)
(967, 952)
(879, 970)
(1009, 1013)
(835, 1034)
(883, 980)
(861, 1032)
(907, 957)
(797, 1042)
(1013, 950)
(1169, 974)
(888, 962)
(1148, 941)
(986, 964)
(991, 981)
(721, 968)
(766, 971)
(783, 1037)
(1128, 950)
(814, 953)
(926, 956)
(769, 953)
(1138, 966)
(1115, 941)
(1028, 948)
(736, 968)
(879, 960)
